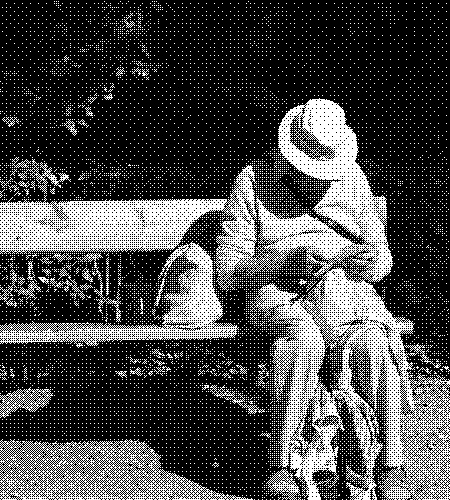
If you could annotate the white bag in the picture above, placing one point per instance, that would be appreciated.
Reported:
(186, 296)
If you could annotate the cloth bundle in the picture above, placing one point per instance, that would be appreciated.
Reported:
(340, 432)
(186, 296)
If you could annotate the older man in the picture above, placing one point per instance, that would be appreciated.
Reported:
(305, 206)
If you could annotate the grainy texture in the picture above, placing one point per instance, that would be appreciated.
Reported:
(114, 100)
(426, 439)
(91, 471)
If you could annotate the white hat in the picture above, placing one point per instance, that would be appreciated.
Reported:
(325, 120)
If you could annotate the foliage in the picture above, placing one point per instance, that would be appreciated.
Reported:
(24, 278)
(157, 362)
(211, 367)
(113, 45)
(78, 275)
(29, 180)
(17, 285)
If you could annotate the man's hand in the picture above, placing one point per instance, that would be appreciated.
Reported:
(299, 266)
(358, 261)
(314, 262)
(302, 263)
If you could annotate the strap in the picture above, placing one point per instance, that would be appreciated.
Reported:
(337, 228)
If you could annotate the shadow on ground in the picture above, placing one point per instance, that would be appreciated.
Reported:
(211, 442)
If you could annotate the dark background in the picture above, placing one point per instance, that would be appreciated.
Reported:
(228, 74)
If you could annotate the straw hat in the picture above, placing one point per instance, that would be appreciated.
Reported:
(316, 140)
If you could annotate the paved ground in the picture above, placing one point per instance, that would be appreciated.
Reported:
(91, 471)
(427, 440)
(129, 469)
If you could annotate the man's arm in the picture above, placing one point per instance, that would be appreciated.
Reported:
(373, 233)
(236, 263)
(237, 240)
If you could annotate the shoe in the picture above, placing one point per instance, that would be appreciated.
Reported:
(281, 486)
(391, 484)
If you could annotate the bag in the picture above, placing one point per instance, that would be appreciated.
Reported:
(186, 296)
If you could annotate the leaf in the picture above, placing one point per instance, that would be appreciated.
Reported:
(63, 257)
(24, 164)
(20, 281)
(33, 286)
(79, 293)
(87, 275)
(26, 292)
(90, 257)
(34, 170)
(161, 370)
(64, 273)
(42, 187)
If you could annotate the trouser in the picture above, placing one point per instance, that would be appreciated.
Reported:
(297, 355)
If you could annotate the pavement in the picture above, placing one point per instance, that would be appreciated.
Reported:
(426, 438)
(131, 470)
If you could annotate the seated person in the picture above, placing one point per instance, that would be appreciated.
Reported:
(280, 227)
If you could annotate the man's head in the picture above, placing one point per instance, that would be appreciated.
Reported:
(315, 139)
(307, 142)
(325, 120)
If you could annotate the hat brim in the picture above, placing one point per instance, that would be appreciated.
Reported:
(322, 168)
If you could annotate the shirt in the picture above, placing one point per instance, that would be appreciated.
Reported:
(266, 212)
(263, 213)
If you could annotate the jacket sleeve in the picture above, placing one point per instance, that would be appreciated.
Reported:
(237, 239)
(372, 227)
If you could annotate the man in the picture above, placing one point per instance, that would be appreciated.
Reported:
(305, 206)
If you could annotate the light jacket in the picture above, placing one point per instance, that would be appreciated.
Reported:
(263, 215)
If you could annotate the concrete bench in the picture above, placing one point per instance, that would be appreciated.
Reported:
(101, 227)
(105, 227)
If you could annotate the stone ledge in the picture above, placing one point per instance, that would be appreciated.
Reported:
(92, 333)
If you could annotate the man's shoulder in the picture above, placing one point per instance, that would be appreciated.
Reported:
(262, 163)
(256, 164)
(245, 178)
